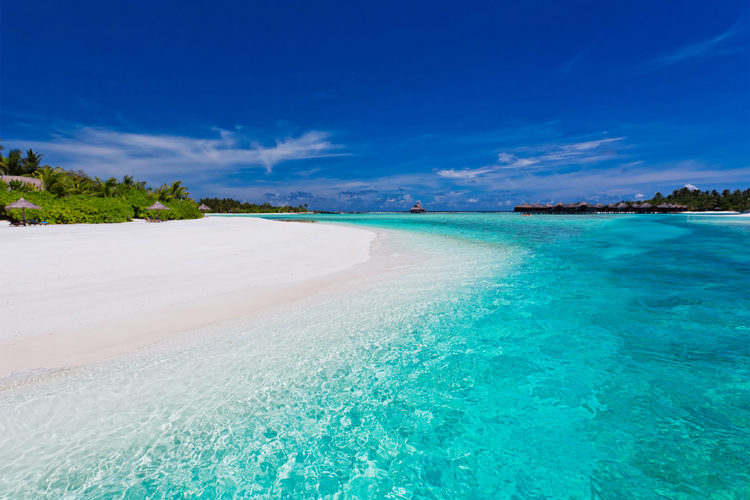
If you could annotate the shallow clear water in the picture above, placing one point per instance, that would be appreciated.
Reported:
(522, 357)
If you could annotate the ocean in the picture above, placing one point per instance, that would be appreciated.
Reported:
(512, 357)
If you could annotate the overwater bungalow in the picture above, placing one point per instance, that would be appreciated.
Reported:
(586, 208)
(418, 208)
(523, 207)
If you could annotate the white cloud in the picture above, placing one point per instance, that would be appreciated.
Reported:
(467, 173)
(539, 157)
(102, 151)
(691, 187)
(640, 196)
(505, 158)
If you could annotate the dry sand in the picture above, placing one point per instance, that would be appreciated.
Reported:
(71, 295)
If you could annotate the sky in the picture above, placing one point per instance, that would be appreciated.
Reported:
(374, 105)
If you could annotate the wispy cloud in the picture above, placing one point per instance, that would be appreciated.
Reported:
(102, 151)
(715, 45)
(466, 173)
(539, 157)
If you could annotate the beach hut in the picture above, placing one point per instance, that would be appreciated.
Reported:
(664, 207)
(204, 208)
(23, 205)
(418, 208)
(158, 207)
(647, 207)
(622, 207)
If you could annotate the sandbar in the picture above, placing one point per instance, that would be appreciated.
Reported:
(77, 294)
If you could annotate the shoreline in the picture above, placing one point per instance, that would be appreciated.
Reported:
(136, 285)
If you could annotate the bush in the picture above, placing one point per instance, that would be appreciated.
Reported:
(178, 209)
(91, 209)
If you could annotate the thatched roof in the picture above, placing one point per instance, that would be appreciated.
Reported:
(417, 208)
(157, 206)
(21, 203)
(664, 205)
(203, 207)
(646, 204)
(623, 205)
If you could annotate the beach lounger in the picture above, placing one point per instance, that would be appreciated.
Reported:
(16, 223)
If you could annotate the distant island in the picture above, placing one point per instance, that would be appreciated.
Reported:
(69, 197)
(230, 206)
(685, 199)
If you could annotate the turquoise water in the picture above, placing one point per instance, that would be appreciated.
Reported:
(519, 357)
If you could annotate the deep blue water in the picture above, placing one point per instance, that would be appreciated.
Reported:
(521, 357)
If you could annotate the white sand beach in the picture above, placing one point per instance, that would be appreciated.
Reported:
(76, 294)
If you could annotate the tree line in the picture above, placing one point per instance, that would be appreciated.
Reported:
(698, 200)
(62, 182)
(230, 206)
(67, 196)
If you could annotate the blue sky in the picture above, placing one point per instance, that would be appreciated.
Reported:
(354, 106)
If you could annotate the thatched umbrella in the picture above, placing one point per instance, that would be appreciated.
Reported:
(204, 208)
(23, 205)
(158, 207)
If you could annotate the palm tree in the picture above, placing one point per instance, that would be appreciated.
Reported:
(32, 162)
(53, 180)
(105, 189)
(164, 193)
(178, 191)
(79, 185)
(12, 164)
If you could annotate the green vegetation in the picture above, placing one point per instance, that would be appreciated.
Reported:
(74, 197)
(230, 206)
(695, 199)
